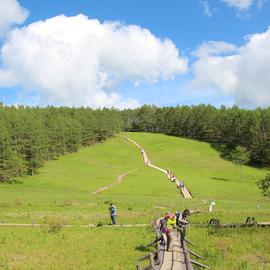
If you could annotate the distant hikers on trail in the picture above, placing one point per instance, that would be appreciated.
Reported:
(181, 184)
(112, 210)
(171, 176)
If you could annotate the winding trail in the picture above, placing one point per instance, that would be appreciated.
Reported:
(185, 192)
(119, 178)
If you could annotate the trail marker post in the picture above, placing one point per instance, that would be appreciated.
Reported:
(211, 208)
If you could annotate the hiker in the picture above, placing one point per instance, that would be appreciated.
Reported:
(171, 221)
(181, 184)
(170, 225)
(182, 221)
(112, 210)
(161, 223)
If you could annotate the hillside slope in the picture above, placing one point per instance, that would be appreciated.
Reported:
(62, 192)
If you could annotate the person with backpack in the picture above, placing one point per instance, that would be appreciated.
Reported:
(181, 222)
(161, 226)
(112, 210)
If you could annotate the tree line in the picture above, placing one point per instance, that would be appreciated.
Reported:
(30, 136)
(225, 128)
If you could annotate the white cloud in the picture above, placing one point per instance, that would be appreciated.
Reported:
(211, 48)
(206, 8)
(243, 5)
(11, 13)
(242, 72)
(78, 61)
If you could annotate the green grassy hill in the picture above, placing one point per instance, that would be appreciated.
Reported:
(208, 176)
(63, 191)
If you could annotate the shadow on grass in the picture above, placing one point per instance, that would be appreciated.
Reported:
(224, 150)
(11, 181)
(220, 178)
(141, 248)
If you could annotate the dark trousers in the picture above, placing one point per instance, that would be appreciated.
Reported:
(182, 231)
(113, 218)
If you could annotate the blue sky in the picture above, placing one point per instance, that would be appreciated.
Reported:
(183, 21)
(188, 24)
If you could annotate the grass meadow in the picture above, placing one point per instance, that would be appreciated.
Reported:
(63, 191)
(71, 248)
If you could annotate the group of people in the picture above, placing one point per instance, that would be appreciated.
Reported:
(170, 175)
(166, 224)
(170, 222)
(173, 178)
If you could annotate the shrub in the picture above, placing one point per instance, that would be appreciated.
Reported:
(53, 225)
(264, 185)
(100, 224)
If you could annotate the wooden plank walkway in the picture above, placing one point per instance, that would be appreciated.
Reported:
(184, 191)
(235, 225)
(175, 259)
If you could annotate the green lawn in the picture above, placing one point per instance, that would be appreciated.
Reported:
(63, 190)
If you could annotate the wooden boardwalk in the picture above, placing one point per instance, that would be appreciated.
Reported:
(235, 225)
(177, 257)
(184, 191)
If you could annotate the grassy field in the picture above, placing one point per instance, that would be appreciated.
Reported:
(208, 177)
(63, 190)
(236, 249)
(71, 248)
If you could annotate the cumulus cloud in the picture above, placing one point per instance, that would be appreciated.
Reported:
(242, 5)
(78, 61)
(11, 13)
(242, 72)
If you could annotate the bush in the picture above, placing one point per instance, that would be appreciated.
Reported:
(264, 185)
(100, 224)
(53, 225)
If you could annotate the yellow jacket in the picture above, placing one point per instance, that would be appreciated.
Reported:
(171, 222)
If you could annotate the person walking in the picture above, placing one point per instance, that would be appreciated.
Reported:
(182, 221)
(112, 210)
(170, 225)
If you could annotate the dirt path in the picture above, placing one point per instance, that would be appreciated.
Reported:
(71, 225)
(185, 192)
(119, 178)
